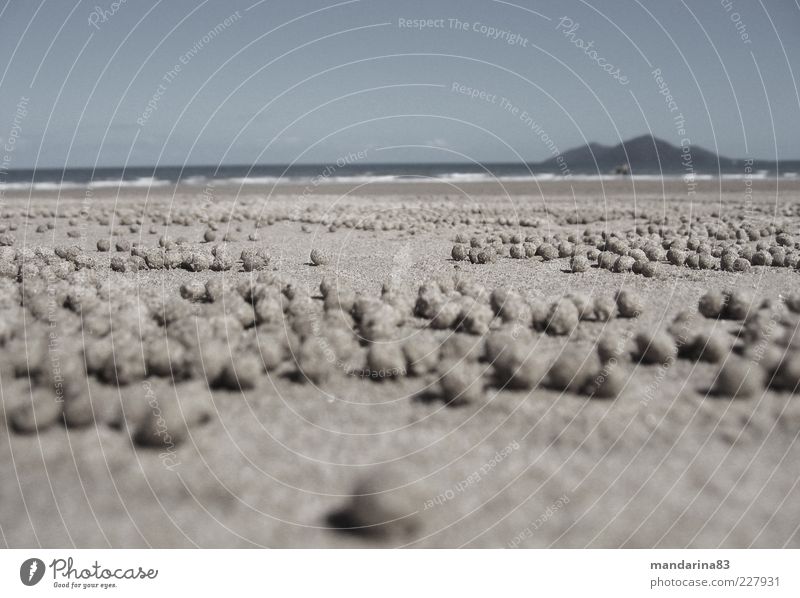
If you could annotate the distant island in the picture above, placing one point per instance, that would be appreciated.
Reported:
(650, 155)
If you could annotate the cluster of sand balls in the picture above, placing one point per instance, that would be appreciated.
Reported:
(230, 333)
(174, 254)
(724, 245)
(767, 354)
(757, 353)
(234, 321)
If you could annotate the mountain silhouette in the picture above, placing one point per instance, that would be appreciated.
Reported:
(647, 154)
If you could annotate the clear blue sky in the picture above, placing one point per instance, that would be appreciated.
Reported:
(313, 80)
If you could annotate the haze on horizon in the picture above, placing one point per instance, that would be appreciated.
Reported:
(242, 82)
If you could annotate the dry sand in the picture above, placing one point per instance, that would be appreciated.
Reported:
(664, 465)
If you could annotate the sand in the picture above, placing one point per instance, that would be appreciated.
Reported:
(666, 464)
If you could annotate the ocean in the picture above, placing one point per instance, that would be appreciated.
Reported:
(310, 175)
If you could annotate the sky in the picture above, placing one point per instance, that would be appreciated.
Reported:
(173, 82)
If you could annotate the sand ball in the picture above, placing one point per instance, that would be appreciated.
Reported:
(712, 304)
(566, 249)
(80, 410)
(319, 257)
(475, 317)
(583, 303)
(422, 354)
(547, 251)
(103, 245)
(606, 260)
(223, 260)
(562, 317)
(647, 269)
(711, 347)
(501, 341)
(38, 412)
(448, 316)
(255, 259)
(155, 259)
(706, 262)
(173, 258)
(462, 347)
(623, 264)
(241, 372)
(793, 302)
(778, 257)
(629, 304)
(363, 305)
(81, 299)
(299, 307)
(327, 285)
(761, 258)
(727, 260)
(676, 257)
(162, 424)
(683, 326)
(692, 261)
(579, 263)
(470, 288)
(268, 309)
(459, 253)
(655, 347)
(170, 310)
(540, 311)
(517, 252)
(272, 349)
(382, 507)
(738, 304)
(654, 253)
(518, 367)
(515, 309)
(196, 261)
(501, 297)
(341, 299)
(163, 358)
(429, 300)
(573, 369)
(604, 308)
(379, 323)
(209, 236)
(193, 290)
(608, 383)
(460, 382)
(124, 365)
(616, 245)
(385, 360)
(738, 378)
(787, 373)
(401, 301)
(216, 289)
(313, 362)
(610, 347)
(487, 256)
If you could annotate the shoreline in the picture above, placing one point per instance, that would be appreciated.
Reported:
(676, 189)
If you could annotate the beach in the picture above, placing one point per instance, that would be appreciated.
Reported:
(666, 463)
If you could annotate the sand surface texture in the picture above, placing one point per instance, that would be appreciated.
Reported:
(157, 394)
